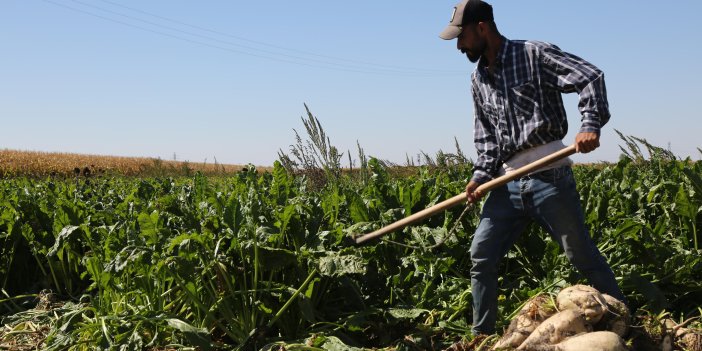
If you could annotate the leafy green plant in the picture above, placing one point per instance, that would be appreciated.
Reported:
(259, 258)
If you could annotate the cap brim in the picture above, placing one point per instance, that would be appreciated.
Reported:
(451, 32)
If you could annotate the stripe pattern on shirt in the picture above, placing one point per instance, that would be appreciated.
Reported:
(518, 103)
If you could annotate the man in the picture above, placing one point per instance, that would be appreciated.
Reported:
(519, 118)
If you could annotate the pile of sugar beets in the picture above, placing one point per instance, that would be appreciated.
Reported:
(581, 319)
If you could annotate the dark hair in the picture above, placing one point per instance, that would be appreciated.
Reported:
(477, 11)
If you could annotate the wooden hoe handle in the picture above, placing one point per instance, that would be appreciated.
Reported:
(461, 198)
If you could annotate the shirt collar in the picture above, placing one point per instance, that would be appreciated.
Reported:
(501, 54)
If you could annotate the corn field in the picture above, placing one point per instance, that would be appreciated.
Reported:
(42, 164)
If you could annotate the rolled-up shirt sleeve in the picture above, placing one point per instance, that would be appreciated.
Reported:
(569, 73)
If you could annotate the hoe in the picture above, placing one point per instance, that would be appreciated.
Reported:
(461, 198)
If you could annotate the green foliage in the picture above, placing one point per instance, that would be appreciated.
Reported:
(316, 157)
(259, 258)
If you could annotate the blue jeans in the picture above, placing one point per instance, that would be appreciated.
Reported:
(550, 199)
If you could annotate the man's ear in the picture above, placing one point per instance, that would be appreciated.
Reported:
(482, 28)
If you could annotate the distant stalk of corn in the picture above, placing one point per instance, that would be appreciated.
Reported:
(15, 163)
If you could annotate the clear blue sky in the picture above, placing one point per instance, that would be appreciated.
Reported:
(228, 79)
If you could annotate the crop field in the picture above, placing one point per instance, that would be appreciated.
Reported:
(41, 164)
(256, 259)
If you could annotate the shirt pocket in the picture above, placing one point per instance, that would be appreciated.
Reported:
(524, 100)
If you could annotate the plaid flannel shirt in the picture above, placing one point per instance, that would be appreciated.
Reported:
(519, 104)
